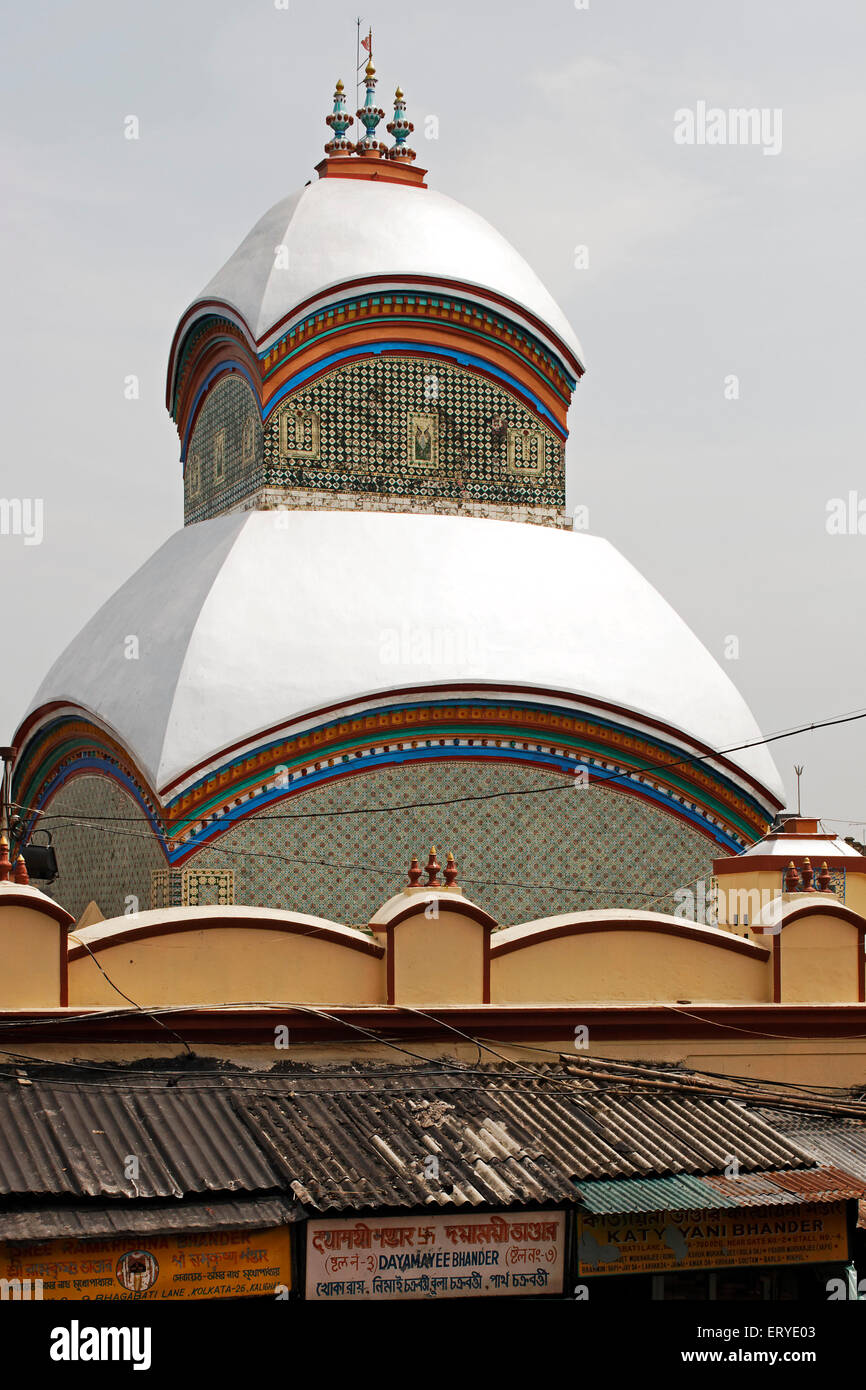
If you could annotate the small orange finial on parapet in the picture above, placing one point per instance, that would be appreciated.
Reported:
(433, 867)
(414, 872)
(450, 871)
(792, 878)
(808, 876)
(21, 875)
(5, 861)
(825, 878)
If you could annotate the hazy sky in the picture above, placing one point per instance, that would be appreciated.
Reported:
(706, 262)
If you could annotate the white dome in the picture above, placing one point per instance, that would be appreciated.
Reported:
(336, 231)
(256, 618)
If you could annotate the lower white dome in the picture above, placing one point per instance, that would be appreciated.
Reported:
(257, 618)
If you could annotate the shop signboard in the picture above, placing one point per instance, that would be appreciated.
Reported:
(662, 1242)
(424, 1256)
(195, 1264)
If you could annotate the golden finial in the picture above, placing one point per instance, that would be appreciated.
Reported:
(370, 69)
(340, 87)
(398, 94)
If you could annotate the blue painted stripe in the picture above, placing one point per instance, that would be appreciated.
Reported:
(463, 359)
(224, 368)
(112, 770)
(396, 319)
(559, 711)
(224, 821)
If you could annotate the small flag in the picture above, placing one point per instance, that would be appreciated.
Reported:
(367, 43)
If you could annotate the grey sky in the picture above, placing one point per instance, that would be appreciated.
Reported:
(557, 125)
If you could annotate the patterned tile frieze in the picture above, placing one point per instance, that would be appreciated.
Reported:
(224, 457)
(520, 857)
(502, 732)
(471, 320)
(413, 427)
(107, 851)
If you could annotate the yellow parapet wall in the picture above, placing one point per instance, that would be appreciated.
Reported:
(32, 949)
(213, 956)
(619, 957)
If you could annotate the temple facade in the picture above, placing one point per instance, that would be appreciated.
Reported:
(378, 627)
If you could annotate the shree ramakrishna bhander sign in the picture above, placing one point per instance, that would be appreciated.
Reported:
(199, 1264)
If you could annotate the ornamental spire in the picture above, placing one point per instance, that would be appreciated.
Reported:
(401, 129)
(339, 121)
(370, 115)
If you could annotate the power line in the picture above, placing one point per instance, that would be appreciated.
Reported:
(601, 776)
(654, 894)
(140, 1007)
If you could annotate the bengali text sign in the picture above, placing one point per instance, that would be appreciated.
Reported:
(196, 1264)
(453, 1256)
(665, 1241)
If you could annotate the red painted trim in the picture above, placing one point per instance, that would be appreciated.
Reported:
(637, 1023)
(202, 367)
(734, 943)
(24, 728)
(363, 766)
(557, 409)
(392, 283)
(390, 987)
(420, 693)
(369, 948)
(825, 903)
(485, 987)
(539, 692)
(434, 337)
(539, 734)
(799, 835)
(833, 908)
(47, 906)
(79, 713)
(418, 907)
(63, 944)
(445, 902)
(744, 863)
(377, 171)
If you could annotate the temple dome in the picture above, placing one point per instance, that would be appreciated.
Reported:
(341, 232)
(252, 620)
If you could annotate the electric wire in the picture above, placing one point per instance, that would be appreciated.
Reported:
(604, 775)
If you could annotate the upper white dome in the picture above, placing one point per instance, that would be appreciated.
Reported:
(256, 618)
(337, 230)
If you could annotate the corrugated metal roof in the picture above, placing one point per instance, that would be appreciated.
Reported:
(822, 1184)
(840, 1141)
(679, 1193)
(499, 1135)
(714, 1193)
(154, 1218)
(76, 1139)
(372, 1136)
